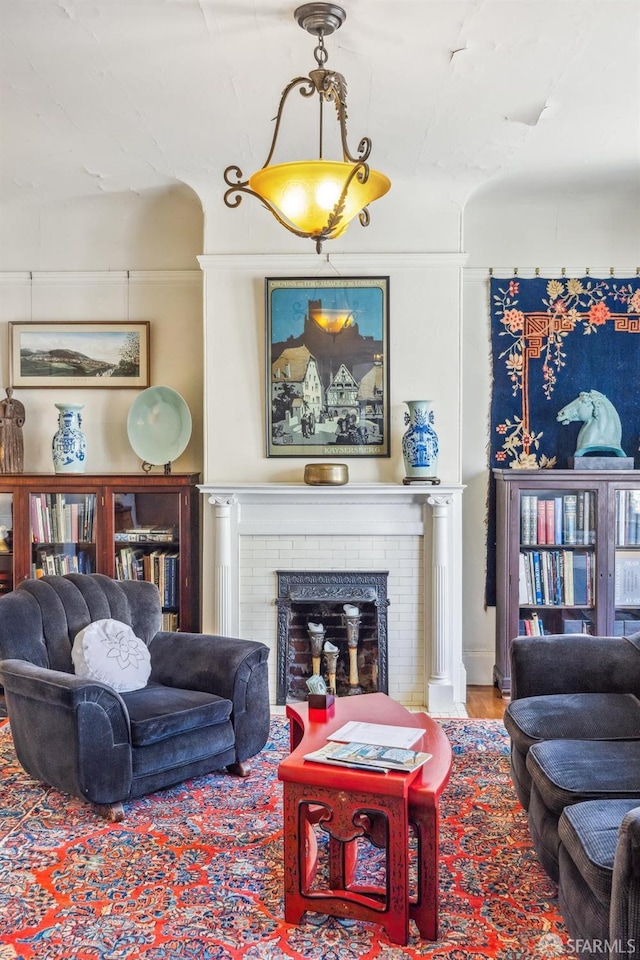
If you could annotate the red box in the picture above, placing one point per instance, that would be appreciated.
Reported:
(321, 706)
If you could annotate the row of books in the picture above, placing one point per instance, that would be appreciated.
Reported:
(577, 624)
(157, 566)
(170, 621)
(558, 520)
(49, 563)
(556, 578)
(62, 518)
(533, 626)
(625, 626)
(151, 534)
(627, 517)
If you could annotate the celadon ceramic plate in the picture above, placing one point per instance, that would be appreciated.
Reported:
(159, 425)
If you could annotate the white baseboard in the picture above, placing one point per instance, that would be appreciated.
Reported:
(479, 667)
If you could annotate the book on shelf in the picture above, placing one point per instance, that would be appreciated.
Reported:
(542, 522)
(570, 516)
(550, 520)
(557, 516)
(537, 577)
(525, 519)
(567, 564)
(581, 571)
(369, 756)
(627, 578)
(525, 593)
(529, 519)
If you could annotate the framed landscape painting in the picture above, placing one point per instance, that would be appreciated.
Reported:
(77, 354)
(327, 371)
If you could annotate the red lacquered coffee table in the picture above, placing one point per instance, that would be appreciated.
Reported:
(350, 803)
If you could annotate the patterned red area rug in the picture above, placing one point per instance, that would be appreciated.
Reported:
(195, 872)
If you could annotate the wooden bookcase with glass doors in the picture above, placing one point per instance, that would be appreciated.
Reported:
(127, 526)
(567, 556)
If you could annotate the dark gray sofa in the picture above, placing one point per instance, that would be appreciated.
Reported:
(574, 723)
(205, 706)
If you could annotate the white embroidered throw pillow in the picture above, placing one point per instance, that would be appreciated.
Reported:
(109, 651)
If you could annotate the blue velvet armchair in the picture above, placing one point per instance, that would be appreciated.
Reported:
(205, 706)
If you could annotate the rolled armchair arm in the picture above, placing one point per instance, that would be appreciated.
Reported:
(228, 667)
(64, 727)
(573, 663)
(624, 917)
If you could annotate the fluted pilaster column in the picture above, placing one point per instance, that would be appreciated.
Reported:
(439, 688)
(222, 565)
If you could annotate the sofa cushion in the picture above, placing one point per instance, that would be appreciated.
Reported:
(589, 833)
(108, 651)
(158, 712)
(569, 771)
(573, 716)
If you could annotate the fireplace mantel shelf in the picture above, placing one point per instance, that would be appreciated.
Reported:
(348, 491)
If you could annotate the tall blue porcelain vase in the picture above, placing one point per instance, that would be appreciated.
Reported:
(69, 445)
(420, 441)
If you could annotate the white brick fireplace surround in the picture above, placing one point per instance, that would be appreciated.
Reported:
(412, 531)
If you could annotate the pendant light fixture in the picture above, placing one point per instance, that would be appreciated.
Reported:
(315, 199)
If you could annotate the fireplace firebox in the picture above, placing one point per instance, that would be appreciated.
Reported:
(344, 610)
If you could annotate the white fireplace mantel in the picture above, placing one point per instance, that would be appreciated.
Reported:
(430, 512)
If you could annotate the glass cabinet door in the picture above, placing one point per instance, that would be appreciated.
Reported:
(6, 542)
(62, 533)
(557, 561)
(147, 531)
(627, 563)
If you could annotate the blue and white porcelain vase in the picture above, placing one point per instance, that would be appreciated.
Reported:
(69, 442)
(420, 441)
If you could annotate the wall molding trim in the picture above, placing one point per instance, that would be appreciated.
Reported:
(312, 264)
(115, 277)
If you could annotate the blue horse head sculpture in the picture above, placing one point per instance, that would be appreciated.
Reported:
(602, 430)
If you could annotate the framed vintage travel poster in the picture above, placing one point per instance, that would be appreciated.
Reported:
(76, 354)
(327, 371)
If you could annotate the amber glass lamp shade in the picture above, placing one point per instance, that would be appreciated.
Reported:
(306, 192)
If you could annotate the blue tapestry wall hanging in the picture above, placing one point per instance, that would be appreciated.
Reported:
(551, 339)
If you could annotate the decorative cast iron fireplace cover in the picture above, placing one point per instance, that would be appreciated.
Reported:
(319, 596)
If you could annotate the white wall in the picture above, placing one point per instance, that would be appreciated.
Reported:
(149, 230)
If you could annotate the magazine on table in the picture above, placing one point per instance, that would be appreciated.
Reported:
(381, 734)
(369, 756)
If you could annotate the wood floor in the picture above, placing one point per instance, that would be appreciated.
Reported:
(485, 703)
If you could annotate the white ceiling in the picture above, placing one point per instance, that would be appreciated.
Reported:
(105, 96)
